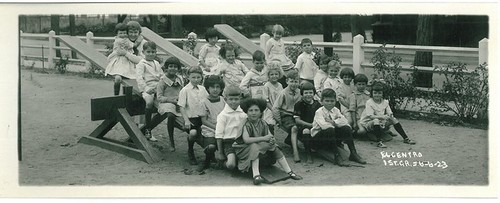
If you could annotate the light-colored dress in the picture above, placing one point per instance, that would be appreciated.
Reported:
(233, 73)
(275, 51)
(121, 65)
(210, 54)
(270, 94)
(253, 83)
(246, 153)
(211, 111)
(171, 89)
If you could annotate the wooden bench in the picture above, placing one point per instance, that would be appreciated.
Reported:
(115, 109)
(237, 38)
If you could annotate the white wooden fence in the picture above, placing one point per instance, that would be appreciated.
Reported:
(35, 50)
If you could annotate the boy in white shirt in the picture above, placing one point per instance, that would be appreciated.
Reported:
(305, 64)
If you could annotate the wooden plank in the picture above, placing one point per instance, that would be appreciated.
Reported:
(168, 47)
(103, 128)
(127, 151)
(237, 38)
(273, 174)
(155, 121)
(135, 134)
(103, 107)
(329, 155)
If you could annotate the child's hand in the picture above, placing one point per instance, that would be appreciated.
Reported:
(187, 125)
(272, 141)
(268, 137)
(121, 52)
(150, 91)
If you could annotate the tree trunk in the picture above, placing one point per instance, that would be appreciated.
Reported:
(425, 36)
(176, 23)
(327, 32)
(54, 25)
(356, 27)
(72, 31)
(121, 18)
(153, 22)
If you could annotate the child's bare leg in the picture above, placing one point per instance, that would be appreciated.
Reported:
(191, 140)
(231, 161)
(307, 145)
(296, 156)
(118, 81)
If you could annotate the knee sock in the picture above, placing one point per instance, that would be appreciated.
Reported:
(255, 167)
(400, 130)
(378, 132)
(284, 164)
(117, 88)
(190, 144)
(148, 116)
(350, 144)
(170, 129)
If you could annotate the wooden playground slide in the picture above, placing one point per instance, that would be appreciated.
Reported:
(237, 38)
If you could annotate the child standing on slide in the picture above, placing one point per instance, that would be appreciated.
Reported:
(275, 51)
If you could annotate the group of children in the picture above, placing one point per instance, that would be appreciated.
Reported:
(232, 112)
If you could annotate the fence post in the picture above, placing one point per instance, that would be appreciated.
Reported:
(89, 42)
(52, 50)
(358, 55)
(21, 54)
(263, 40)
(483, 51)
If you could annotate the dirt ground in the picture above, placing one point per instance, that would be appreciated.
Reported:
(55, 114)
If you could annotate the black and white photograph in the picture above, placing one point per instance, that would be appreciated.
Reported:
(256, 100)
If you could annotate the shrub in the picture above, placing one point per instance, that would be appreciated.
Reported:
(465, 93)
(61, 64)
(399, 91)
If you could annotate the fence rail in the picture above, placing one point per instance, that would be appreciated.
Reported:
(356, 54)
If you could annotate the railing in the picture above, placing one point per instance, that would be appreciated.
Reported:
(356, 54)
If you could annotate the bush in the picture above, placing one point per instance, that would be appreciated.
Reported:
(62, 64)
(464, 93)
(398, 91)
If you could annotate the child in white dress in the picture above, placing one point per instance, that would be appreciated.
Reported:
(209, 53)
(275, 51)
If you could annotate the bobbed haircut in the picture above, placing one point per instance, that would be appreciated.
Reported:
(377, 86)
(306, 85)
(347, 72)
(194, 69)
(328, 93)
(305, 40)
(120, 27)
(278, 28)
(227, 47)
(360, 78)
(292, 74)
(232, 91)
(173, 60)
(149, 44)
(212, 80)
(211, 32)
(258, 56)
(134, 25)
(324, 59)
(246, 104)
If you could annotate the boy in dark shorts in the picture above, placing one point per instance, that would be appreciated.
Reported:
(304, 115)
(283, 107)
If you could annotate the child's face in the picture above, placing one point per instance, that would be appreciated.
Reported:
(329, 102)
(347, 79)
(122, 34)
(195, 78)
(214, 90)
(307, 47)
(254, 113)
(377, 96)
(360, 86)
(323, 67)
(259, 64)
(150, 54)
(133, 34)
(333, 72)
(292, 83)
(233, 101)
(274, 76)
(230, 56)
(213, 40)
(170, 70)
(308, 95)
(277, 35)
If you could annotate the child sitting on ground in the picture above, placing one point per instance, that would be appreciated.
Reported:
(252, 84)
(283, 107)
(149, 73)
(271, 90)
(168, 95)
(229, 125)
(378, 117)
(275, 51)
(232, 69)
(191, 108)
(331, 127)
(212, 106)
(357, 100)
(209, 53)
(304, 114)
(256, 141)
(120, 66)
